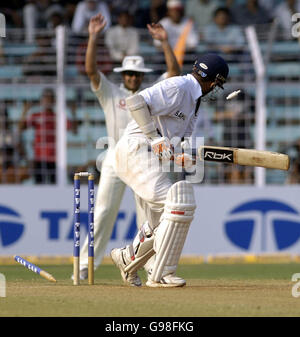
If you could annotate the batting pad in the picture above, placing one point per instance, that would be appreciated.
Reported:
(171, 233)
(137, 254)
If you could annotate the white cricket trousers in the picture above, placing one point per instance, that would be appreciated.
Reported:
(140, 169)
(109, 196)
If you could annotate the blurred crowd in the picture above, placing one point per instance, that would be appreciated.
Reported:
(76, 13)
(217, 22)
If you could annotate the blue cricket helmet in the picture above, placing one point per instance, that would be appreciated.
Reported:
(213, 67)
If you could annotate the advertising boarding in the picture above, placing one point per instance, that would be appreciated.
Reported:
(228, 220)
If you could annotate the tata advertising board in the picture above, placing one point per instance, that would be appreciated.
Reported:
(39, 220)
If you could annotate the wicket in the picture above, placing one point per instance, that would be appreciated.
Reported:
(34, 268)
(76, 251)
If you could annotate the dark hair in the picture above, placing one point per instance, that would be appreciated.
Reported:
(122, 12)
(48, 91)
(221, 9)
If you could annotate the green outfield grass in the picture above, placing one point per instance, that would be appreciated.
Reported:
(212, 290)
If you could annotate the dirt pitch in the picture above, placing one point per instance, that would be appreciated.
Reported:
(212, 290)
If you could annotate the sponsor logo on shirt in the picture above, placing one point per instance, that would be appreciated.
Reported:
(122, 104)
(180, 115)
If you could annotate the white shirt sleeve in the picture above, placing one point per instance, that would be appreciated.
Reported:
(104, 90)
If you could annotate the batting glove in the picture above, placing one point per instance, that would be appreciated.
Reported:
(162, 148)
(184, 159)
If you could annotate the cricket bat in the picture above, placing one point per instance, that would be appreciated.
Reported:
(248, 157)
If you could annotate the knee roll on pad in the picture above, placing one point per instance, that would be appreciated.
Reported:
(171, 233)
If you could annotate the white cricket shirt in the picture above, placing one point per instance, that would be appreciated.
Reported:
(112, 100)
(172, 105)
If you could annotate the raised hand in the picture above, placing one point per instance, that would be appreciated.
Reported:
(97, 24)
(157, 31)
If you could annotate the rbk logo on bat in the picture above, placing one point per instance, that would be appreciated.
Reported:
(218, 155)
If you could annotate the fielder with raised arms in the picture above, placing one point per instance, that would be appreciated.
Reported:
(164, 111)
(112, 99)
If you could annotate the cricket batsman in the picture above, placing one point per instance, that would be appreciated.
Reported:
(160, 113)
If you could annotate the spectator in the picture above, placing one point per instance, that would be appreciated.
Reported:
(13, 13)
(283, 13)
(118, 6)
(150, 11)
(35, 13)
(269, 5)
(85, 10)
(158, 10)
(250, 13)
(44, 125)
(222, 36)
(70, 8)
(30, 17)
(123, 39)
(55, 16)
(9, 156)
(201, 11)
(42, 7)
(41, 14)
(174, 23)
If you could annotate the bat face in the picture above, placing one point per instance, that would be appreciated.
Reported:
(248, 157)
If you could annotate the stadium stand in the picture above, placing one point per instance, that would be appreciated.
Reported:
(282, 89)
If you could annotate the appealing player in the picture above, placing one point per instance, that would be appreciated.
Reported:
(112, 99)
(164, 111)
